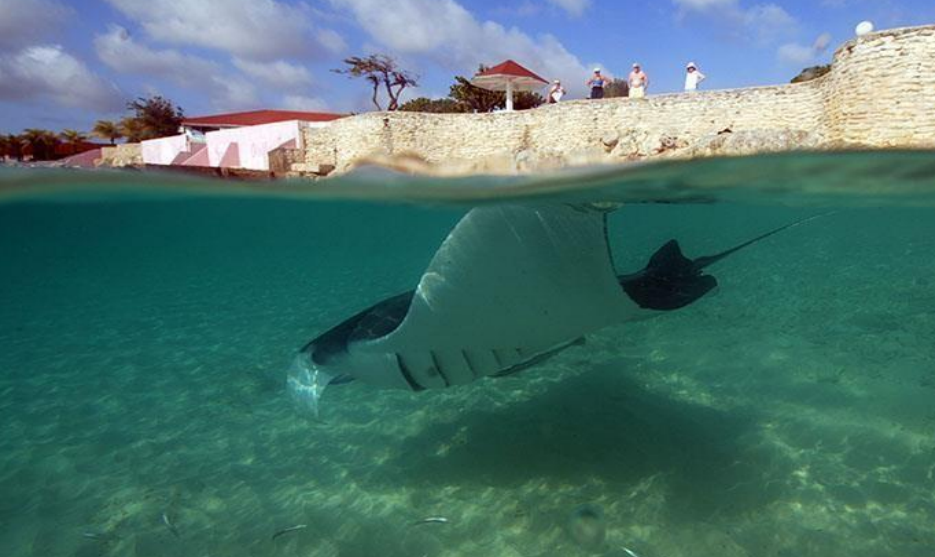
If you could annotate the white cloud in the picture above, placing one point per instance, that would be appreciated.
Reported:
(768, 22)
(444, 31)
(761, 23)
(118, 50)
(24, 22)
(48, 72)
(252, 29)
(799, 54)
(704, 5)
(280, 74)
(332, 40)
(232, 92)
(574, 7)
(300, 102)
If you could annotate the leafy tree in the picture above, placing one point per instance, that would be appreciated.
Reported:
(107, 129)
(438, 106)
(73, 139)
(479, 99)
(41, 142)
(132, 129)
(11, 146)
(617, 88)
(380, 70)
(158, 116)
(525, 100)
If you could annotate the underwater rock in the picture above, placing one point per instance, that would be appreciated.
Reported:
(587, 526)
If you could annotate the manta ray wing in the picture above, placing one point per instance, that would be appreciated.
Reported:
(508, 284)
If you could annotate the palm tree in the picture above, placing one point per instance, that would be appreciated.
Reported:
(73, 139)
(11, 146)
(4, 146)
(41, 142)
(133, 129)
(107, 129)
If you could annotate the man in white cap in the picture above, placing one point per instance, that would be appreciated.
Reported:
(596, 83)
(692, 77)
(638, 81)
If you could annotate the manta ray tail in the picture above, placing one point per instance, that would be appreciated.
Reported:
(706, 260)
(672, 281)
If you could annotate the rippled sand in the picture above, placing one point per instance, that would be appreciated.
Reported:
(142, 358)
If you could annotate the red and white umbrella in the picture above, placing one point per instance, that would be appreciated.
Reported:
(510, 77)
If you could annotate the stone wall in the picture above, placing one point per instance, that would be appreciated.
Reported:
(282, 159)
(880, 92)
(125, 154)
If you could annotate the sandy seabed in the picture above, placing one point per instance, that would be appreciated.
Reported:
(789, 414)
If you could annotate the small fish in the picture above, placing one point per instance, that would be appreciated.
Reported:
(99, 536)
(290, 529)
(431, 520)
(170, 526)
(630, 552)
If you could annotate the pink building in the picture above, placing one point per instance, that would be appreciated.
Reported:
(235, 140)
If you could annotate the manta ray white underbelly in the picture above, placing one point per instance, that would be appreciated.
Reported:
(510, 286)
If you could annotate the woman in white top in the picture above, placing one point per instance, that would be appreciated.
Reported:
(556, 92)
(692, 77)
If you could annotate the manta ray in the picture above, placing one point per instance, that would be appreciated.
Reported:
(511, 286)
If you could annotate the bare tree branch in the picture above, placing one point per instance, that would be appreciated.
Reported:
(380, 69)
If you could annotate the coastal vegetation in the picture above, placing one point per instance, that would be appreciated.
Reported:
(463, 96)
(107, 129)
(11, 146)
(73, 139)
(617, 87)
(810, 73)
(150, 118)
(153, 117)
(40, 142)
(382, 72)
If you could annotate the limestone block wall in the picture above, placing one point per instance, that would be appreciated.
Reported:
(570, 128)
(880, 92)
(125, 154)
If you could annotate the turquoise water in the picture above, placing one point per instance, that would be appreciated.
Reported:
(145, 333)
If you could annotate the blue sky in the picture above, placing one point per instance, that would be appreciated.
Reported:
(67, 63)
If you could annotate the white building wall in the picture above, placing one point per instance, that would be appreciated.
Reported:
(163, 150)
(255, 142)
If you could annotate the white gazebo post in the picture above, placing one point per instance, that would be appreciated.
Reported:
(510, 78)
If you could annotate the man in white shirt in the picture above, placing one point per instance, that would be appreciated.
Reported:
(692, 77)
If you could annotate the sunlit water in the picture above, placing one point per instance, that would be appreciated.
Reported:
(146, 323)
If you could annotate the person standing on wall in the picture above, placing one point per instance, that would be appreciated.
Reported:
(692, 77)
(556, 92)
(638, 81)
(596, 83)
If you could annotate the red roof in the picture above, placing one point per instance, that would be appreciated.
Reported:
(83, 160)
(510, 68)
(68, 149)
(256, 117)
